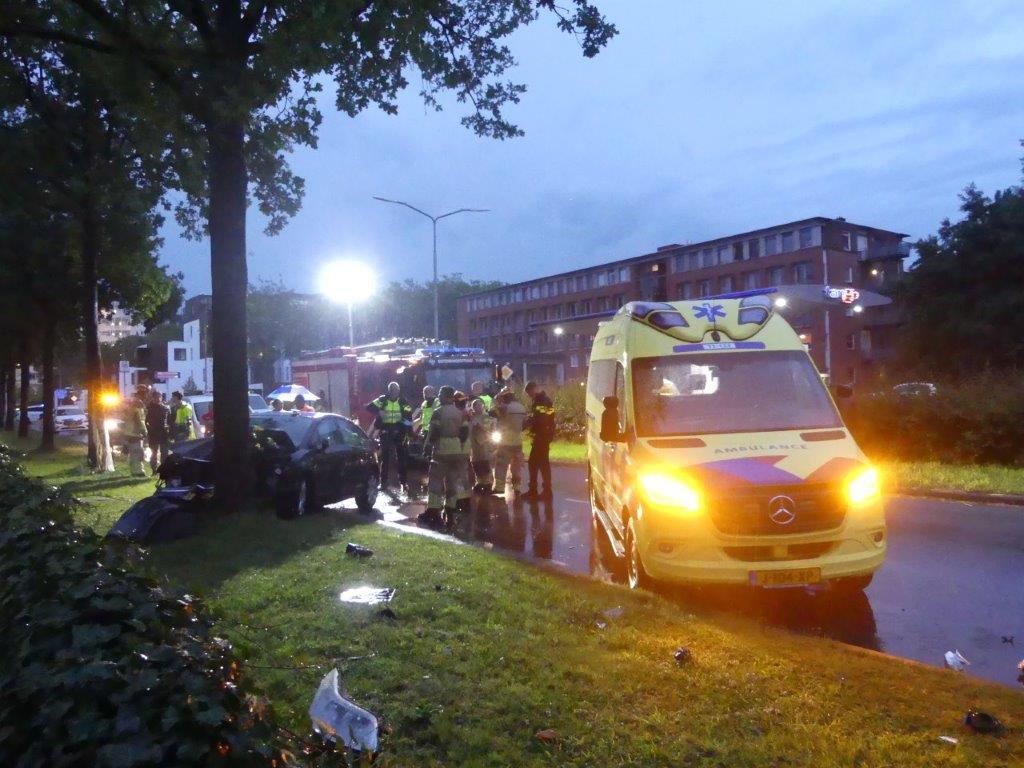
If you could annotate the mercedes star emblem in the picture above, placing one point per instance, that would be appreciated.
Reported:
(781, 510)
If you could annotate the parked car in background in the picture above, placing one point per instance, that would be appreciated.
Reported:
(35, 413)
(70, 418)
(202, 407)
(915, 389)
(302, 460)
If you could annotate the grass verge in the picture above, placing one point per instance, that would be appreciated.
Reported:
(901, 475)
(485, 651)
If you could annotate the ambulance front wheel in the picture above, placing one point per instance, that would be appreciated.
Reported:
(636, 575)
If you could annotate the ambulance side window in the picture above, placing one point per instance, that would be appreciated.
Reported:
(620, 393)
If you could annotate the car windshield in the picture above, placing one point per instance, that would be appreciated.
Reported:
(729, 392)
(257, 403)
(294, 425)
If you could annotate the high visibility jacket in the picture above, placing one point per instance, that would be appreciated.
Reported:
(487, 400)
(390, 413)
(449, 431)
(183, 427)
(427, 411)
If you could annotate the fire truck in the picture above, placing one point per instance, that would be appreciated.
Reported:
(350, 377)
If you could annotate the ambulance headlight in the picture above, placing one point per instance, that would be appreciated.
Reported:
(664, 489)
(863, 486)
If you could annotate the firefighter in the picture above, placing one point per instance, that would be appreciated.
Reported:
(421, 418)
(541, 424)
(481, 425)
(478, 392)
(446, 478)
(508, 455)
(393, 421)
(134, 432)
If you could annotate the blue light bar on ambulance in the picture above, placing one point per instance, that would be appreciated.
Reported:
(451, 351)
(745, 294)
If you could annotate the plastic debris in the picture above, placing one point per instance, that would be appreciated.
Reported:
(683, 656)
(982, 722)
(949, 739)
(956, 661)
(614, 613)
(338, 719)
(367, 595)
(601, 624)
(547, 736)
(358, 550)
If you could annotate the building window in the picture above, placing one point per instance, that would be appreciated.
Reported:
(725, 284)
(807, 237)
(724, 254)
(624, 275)
(693, 260)
(602, 304)
(851, 341)
(678, 263)
(753, 248)
(788, 242)
(585, 308)
(750, 281)
(774, 276)
(847, 241)
(849, 275)
(707, 257)
(801, 321)
(574, 361)
(602, 279)
(686, 291)
(179, 355)
(737, 252)
(802, 272)
(771, 245)
(705, 288)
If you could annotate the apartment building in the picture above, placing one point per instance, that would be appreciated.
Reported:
(544, 327)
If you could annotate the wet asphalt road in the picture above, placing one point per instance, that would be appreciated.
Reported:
(953, 577)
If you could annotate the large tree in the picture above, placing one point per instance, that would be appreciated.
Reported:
(963, 296)
(242, 75)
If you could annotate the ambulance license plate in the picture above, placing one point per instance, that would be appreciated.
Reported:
(791, 577)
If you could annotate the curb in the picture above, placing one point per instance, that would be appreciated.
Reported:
(977, 497)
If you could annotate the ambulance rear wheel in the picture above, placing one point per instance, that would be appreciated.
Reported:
(636, 576)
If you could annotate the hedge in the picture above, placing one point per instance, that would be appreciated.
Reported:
(103, 666)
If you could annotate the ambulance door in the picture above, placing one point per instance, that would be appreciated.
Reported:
(613, 463)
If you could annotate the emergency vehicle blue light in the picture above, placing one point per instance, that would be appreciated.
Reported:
(438, 351)
(745, 294)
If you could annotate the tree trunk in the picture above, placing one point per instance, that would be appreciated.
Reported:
(49, 342)
(228, 184)
(9, 387)
(24, 352)
(93, 363)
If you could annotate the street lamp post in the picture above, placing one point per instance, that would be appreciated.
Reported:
(347, 282)
(433, 221)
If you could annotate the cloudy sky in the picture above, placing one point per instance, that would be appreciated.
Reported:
(699, 120)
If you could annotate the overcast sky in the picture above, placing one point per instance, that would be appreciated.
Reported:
(699, 120)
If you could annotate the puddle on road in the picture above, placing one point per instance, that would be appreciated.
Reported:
(367, 595)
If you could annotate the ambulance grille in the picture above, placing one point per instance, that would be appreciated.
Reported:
(747, 511)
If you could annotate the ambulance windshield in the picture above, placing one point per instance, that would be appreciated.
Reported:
(729, 392)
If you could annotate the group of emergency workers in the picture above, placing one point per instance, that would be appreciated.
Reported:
(147, 420)
(474, 442)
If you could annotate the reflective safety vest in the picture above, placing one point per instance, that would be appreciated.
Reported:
(427, 411)
(390, 411)
(488, 401)
(183, 421)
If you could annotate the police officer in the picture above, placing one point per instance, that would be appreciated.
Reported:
(446, 478)
(393, 420)
(478, 392)
(181, 419)
(541, 424)
(510, 415)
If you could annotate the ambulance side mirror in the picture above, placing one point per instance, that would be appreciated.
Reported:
(610, 421)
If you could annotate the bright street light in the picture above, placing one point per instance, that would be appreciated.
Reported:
(346, 282)
(781, 302)
(559, 330)
(434, 220)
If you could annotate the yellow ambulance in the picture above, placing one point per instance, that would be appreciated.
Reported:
(716, 454)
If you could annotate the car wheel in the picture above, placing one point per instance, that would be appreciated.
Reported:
(367, 497)
(636, 575)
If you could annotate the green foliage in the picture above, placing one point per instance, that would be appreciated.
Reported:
(972, 422)
(570, 403)
(103, 666)
(963, 295)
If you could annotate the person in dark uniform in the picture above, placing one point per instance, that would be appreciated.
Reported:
(157, 429)
(393, 421)
(541, 423)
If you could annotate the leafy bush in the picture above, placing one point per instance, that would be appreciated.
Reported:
(974, 422)
(570, 403)
(101, 666)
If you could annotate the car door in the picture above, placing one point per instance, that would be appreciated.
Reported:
(359, 458)
(613, 457)
(329, 460)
